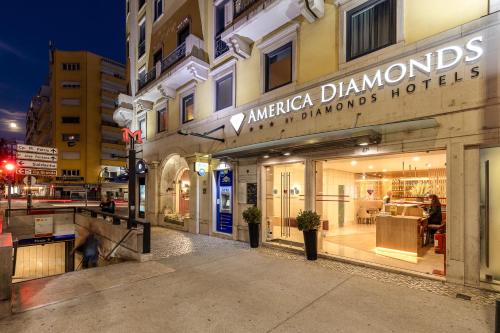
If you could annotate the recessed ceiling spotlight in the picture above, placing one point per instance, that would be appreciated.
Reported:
(416, 158)
(287, 153)
(370, 167)
(384, 170)
(265, 156)
(354, 162)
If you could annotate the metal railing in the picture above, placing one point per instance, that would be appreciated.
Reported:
(117, 220)
(240, 6)
(220, 46)
(148, 77)
(174, 57)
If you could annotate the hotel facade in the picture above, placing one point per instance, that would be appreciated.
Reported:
(356, 109)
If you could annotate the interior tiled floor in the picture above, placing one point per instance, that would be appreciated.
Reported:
(358, 241)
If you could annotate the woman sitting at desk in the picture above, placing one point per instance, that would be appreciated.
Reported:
(434, 211)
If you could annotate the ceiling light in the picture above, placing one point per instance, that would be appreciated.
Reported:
(363, 143)
(384, 170)
(287, 153)
(370, 167)
(354, 162)
(265, 156)
(416, 158)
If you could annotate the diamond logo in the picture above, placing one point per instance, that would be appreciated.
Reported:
(237, 121)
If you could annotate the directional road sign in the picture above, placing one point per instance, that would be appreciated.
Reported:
(36, 164)
(26, 180)
(37, 157)
(37, 149)
(36, 172)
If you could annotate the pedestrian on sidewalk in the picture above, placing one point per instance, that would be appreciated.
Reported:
(109, 205)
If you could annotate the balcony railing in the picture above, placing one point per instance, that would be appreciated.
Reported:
(148, 77)
(240, 6)
(220, 46)
(173, 57)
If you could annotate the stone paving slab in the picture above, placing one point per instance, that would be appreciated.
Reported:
(223, 286)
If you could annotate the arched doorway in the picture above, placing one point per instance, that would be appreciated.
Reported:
(175, 190)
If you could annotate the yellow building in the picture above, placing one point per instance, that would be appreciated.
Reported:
(336, 106)
(83, 88)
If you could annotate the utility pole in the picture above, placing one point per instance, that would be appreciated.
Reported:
(131, 184)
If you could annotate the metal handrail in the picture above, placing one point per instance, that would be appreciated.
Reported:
(174, 56)
(220, 46)
(148, 77)
(241, 6)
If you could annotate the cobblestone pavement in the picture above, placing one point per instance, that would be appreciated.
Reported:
(167, 243)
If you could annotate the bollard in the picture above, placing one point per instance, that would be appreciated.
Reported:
(497, 316)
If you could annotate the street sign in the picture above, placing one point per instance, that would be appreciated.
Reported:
(37, 157)
(36, 172)
(26, 180)
(37, 149)
(36, 164)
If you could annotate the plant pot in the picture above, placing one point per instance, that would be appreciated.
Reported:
(253, 233)
(311, 244)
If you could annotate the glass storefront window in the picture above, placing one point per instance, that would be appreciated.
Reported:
(378, 209)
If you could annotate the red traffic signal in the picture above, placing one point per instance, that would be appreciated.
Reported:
(9, 166)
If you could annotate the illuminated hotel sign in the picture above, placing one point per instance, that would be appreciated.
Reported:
(444, 59)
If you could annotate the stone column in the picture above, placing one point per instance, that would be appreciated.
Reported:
(152, 193)
(455, 212)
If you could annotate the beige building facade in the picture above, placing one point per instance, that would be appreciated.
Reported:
(295, 105)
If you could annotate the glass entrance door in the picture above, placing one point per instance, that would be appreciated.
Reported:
(284, 200)
(490, 215)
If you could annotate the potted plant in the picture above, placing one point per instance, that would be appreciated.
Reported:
(252, 215)
(308, 222)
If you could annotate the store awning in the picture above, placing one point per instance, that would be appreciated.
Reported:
(327, 140)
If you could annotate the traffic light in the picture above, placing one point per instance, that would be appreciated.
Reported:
(9, 166)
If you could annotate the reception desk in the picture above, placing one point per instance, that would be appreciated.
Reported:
(399, 237)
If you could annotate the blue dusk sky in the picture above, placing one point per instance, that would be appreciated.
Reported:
(25, 30)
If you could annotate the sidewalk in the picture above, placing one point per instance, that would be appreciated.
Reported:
(204, 284)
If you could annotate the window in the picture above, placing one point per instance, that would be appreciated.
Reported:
(182, 34)
(70, 84)
(278, 67)
(187, 108)
(142, 127)
(70, 120)
(158, 8)
(74, 66)
(70, 155)
(128, 6)
(157, 56)
(162, 120)
(141, 74)
(141, 3)
(71, 137)
(141, 47)
(70, 101)
(370, 27)
(221, 19)
(224, 92)
(70, 172)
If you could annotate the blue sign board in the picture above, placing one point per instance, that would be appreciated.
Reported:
(224, 201)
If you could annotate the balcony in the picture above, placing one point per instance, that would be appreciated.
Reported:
(254, 19)
(220, 47)
(184, 64)
(124, 111)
